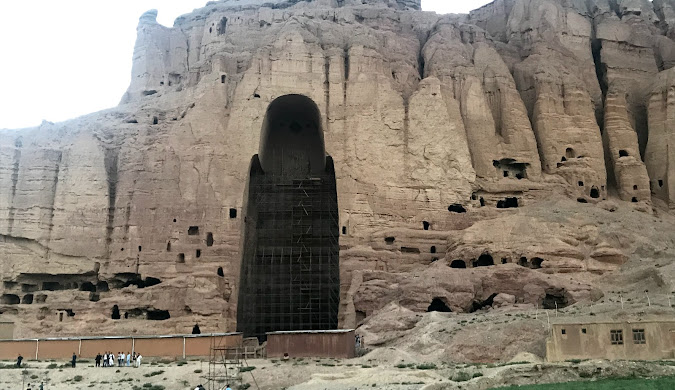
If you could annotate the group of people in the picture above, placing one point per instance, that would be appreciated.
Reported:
(108, 359)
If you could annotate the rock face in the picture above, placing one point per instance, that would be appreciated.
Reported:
(465, 150)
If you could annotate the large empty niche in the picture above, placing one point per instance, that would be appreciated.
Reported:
(290, 276)
(508, 167)
(437, 304)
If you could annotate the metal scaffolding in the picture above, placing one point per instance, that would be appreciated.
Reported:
(290, 274)
(224, 365)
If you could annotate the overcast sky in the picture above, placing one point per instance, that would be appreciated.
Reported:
(62, 59)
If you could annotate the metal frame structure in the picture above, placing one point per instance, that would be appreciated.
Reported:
(290, 270)
(224, 365)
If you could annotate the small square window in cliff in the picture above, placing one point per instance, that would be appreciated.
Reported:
(102, 286)
(193, 230)
(209, 239)
(595, 194)
(222, 79)
(389, 240)
(635, 188)
(634, 200)
(660, 183)
(583, 330)
(433, 249)
(140, 248)
(181, 257)
(168, 247)
(198, 253)
(27, 299)
(426, 225)
(155, 120)
(344, 230)
(581, 184)
(623, 153)
(504, 260)
(233, 213)
(563, 331)
(220, 272)
(482, 202)
(196, 330)
(456, 208)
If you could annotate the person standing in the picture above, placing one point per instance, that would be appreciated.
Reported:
(138, 360)
(105, 359)
(128, 359)
(98, 359)
(74, 360)
(111, 359)
(120, 357)
(42, 386)
(18, 360)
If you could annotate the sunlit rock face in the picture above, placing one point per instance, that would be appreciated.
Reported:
(520, 149)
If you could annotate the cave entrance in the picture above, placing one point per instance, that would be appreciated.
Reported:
(437, 304)
(290, 277)
(458, 264)
(485, 260)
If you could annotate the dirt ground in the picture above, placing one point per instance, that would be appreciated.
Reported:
(384, 368)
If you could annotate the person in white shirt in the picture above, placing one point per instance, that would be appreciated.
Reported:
(111, 360)
(128, 359)
(138, 360)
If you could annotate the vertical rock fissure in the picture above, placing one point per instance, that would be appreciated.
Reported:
(50, 224)
(15, 180)
(326, 90)
(110, 161)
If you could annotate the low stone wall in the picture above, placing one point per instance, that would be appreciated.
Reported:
(312, 344)
(174, 346)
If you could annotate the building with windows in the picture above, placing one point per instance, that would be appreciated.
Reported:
(632, 340)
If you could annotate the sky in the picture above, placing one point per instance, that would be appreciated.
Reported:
(62, 59)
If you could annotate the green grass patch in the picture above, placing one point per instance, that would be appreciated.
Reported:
(247, 369)
(154, 373)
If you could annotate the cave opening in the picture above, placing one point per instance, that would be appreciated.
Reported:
(554, 299)
(220, 272)
(196, 330)
(209, 239)
(479, 305)
(88, 286)
(457, 208)
(458, 264)
(508, 203)
(157, 315)
(595, 193)
(10, 299)
(290, 276)
(484, 260)
(102, 286)
(27, 299)
(438, 305)
(115, 315)
(536, 262)
(426, 225)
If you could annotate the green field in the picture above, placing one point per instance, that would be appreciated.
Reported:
(609, 384)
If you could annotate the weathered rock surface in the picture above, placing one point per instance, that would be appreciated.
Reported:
(458, 140)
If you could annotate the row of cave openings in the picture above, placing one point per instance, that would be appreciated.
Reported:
(486, 260)
(141, 313)
(553, 299)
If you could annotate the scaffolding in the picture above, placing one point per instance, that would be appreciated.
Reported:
(225, 365)
(290, 274)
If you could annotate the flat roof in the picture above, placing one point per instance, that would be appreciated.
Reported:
(312, 331)
(126, 337)
(618, 322)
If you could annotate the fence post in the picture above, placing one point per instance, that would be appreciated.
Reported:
(183, 347)
(37, 348)
(133, 346)
(79, 349)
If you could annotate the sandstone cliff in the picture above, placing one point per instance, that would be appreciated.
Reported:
(523, 137)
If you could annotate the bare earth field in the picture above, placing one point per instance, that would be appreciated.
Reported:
(391, 373)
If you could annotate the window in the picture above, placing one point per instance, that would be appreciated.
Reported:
(563, 331)
(639, 336)
(583, 330)
(616, 337)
